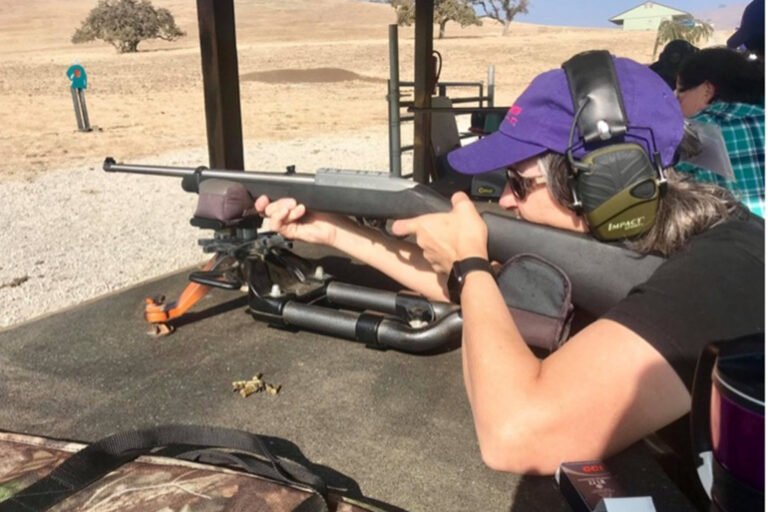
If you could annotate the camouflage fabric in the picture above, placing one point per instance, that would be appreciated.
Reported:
(151, 483)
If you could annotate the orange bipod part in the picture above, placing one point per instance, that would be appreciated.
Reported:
(157, 312)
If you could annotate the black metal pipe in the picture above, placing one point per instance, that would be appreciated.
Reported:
(389, 333)
(399, 336)
(363, 297)
(319, 319)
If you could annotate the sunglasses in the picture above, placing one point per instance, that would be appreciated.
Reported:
(520, 185)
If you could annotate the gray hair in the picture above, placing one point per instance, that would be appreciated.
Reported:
(688, 207)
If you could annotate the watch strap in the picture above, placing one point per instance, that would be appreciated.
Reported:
(459, 274)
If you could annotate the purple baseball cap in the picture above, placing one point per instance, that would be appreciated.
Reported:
(541, 118)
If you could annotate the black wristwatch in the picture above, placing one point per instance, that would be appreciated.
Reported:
(459, 272)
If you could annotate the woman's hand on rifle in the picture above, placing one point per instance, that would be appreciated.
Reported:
(399, 259)
(446, 238)
(292, 220)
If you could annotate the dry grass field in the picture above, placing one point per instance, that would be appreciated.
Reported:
(313, 86)
(308, 67)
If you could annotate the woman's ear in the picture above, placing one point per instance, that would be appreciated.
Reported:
(709, 91)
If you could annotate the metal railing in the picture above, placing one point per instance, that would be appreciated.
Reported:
(483, 99)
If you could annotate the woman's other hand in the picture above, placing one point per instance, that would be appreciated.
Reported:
(292, 220)
(448, 237)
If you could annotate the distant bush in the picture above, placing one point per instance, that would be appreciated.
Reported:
(126, 23)
(503, 11)
(687, 28)
(459, 11)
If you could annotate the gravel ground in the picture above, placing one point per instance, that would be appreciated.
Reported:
(77, 233)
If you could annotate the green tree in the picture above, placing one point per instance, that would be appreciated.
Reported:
(503, 11)
(459, 11)
(687, 28)
(126, 23)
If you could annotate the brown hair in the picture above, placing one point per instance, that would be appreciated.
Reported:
(688, 207)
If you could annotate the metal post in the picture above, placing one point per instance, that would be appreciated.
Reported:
(77, 109)
(422, 93)
(491, 85)
(86, 121)
(218, 52)
(393, 98)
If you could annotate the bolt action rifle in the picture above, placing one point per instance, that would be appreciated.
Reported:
(601, 273)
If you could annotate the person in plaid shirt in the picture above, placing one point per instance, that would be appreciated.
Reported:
(722, 87)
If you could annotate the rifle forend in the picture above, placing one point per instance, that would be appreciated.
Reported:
(373, 195)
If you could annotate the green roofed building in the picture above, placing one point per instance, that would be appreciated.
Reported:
(647, 16)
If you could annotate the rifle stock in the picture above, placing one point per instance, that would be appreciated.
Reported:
(601, 274)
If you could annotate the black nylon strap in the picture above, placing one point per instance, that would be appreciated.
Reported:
(253, 464)
(314, 503)
(108, 454)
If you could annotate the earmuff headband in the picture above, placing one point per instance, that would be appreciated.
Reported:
(596, 93)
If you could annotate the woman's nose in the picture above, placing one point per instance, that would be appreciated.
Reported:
(507, 199)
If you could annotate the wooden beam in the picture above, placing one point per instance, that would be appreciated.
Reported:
(422, 68)
(218, 52)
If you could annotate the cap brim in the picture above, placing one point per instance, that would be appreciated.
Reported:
(493, 152)
(737, 39)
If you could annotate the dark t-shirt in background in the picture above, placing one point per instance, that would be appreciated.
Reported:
(712, 289)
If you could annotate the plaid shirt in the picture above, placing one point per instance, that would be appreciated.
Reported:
(743, 128)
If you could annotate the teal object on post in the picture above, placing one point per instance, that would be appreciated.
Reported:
(76, 74)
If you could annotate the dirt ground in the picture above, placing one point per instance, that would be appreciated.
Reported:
(308, 67)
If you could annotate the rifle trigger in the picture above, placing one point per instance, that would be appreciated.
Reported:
(381, 225)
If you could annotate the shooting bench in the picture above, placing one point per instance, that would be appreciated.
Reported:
(391, 426)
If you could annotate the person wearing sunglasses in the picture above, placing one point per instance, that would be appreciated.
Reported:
(624, 375)
(519, 185)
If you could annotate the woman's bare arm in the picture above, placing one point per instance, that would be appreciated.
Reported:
(401, 260)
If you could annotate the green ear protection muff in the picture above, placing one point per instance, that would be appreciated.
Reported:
(617, 186)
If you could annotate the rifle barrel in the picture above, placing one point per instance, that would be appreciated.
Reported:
(182, 172)
(374, 195)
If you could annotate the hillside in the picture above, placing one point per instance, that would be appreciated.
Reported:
(309, 67)
(724, 17)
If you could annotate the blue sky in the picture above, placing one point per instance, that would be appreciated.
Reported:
(595, 13)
